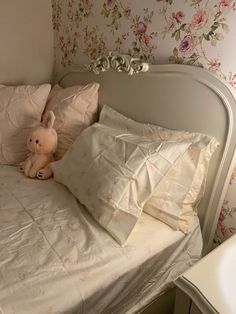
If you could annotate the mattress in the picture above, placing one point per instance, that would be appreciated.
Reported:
(54, 257)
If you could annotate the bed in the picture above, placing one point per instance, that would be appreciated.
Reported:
(55, 258)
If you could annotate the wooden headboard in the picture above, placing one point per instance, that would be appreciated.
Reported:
(179, 97)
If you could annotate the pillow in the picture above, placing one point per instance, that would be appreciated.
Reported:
(75, 108)
(175, 200)
(113, 174)
(21, 108)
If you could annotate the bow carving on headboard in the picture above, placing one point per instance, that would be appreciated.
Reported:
(118, 62)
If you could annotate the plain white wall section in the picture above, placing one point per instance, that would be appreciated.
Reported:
(26, 48)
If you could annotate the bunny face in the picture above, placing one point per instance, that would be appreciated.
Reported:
(42, 140)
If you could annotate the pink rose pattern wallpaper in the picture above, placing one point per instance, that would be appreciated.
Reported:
(194, 32)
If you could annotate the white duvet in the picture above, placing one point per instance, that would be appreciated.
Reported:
(54, 257)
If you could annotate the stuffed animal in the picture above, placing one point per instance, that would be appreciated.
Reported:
(42, 144)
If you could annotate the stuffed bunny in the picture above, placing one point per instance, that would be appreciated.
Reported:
(42, 144)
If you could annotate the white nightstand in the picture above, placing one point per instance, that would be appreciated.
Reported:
(210, 285)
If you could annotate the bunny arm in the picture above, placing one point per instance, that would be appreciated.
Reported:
(27, 166)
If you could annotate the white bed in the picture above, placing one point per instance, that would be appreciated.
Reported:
(54, 257)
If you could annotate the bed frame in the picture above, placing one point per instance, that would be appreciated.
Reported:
(178, 97)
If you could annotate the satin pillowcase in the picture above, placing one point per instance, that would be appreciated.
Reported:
(75, 108)
(114, 173)
(175, 199)
(21, 109)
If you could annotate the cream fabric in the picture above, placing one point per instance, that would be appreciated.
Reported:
(55, 258)
(75, 109)
(113, 174)
(21, 108)
(176, 198)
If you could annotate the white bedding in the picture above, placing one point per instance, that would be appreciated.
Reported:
(54, 257)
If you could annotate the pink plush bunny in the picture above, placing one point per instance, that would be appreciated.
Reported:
(42, 144)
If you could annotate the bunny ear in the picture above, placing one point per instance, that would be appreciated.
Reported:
(48, 119)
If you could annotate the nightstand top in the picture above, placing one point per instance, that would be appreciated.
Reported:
(211, 283)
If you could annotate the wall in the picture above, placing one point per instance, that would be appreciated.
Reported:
(26, 54)
(196, 32)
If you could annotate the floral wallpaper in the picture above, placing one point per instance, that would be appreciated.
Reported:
(227, 220)
(194, 32)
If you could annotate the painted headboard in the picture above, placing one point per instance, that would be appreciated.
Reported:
(179, 97)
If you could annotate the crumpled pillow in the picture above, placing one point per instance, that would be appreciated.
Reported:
(21, 109)
(113, 174)
(75, 108)
(175, 200)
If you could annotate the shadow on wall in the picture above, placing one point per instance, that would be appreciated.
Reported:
(26, 42)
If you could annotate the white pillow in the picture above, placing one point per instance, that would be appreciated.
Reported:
(21, 109)
(178, 194)
(113, 174)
